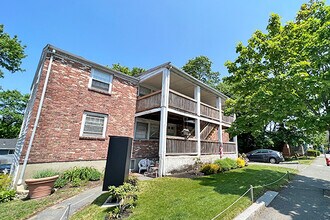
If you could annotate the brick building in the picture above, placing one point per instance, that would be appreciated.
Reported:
(76, 104)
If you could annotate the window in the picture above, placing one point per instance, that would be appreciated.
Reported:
(154, 131)
(141, 131)
(150, 130)
(94, 125)
(100, 81)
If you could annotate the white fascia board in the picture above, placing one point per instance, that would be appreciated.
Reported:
(151, 74)
(147, 112)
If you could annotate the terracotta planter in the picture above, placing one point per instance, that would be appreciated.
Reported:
(42, 187)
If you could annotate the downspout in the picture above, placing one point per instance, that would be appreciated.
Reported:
(20, 180)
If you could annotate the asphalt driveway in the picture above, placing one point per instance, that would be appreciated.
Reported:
(306, 197)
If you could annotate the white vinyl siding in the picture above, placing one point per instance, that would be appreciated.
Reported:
(100, 81)
(93, 125)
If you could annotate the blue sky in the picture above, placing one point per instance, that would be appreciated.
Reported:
(142, 33)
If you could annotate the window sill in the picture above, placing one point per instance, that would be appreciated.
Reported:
(99, 91)
(92, 138)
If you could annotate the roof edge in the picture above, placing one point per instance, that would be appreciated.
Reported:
(118, 74)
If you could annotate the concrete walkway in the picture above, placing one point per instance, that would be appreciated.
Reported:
(57, 212)
(306, 197)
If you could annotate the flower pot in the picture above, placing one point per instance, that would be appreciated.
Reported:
(42, 187)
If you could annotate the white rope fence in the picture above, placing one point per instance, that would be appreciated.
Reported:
(66, 213)
(252, 196)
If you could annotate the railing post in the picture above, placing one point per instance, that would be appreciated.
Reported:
(251, 191)
(288, 175)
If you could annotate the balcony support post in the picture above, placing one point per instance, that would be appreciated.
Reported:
(197, 96)
(219, 106)
(163, 120)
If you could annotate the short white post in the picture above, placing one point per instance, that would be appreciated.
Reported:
(251, 191)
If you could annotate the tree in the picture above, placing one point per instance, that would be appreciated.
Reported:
(283, 75)
(11, 52)
(12, 106)
(200, 68)
(124, 69)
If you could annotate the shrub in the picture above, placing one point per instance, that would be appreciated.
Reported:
(313, 153)
(82, 173)
(60, 182)
(5, 181)
(226, 164)
(133, 180)
(209, 168)
(240, 162)
(45, 173)
(6, 194)
(126, 196)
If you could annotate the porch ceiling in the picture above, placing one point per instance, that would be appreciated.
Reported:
(181, 85)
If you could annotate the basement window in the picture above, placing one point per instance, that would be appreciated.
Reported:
(93, 125)
(100, 81)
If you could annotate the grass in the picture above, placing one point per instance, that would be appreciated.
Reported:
(302, 160)
(198, 198)
(22, 209)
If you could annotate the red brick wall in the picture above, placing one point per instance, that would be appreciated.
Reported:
(225, 136)
(214, 135)
(145, 149)
(67, 97)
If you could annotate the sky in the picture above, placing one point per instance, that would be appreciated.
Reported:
(136, 33)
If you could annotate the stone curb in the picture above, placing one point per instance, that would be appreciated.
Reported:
(256, 207)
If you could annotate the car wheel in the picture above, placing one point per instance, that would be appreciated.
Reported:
(272, 160)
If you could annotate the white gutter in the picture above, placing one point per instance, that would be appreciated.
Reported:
(37, 120)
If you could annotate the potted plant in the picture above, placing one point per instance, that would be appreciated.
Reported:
(42, 184)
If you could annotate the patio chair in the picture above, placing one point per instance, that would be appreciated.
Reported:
(144, 164)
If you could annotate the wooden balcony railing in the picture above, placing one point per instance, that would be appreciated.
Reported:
(180, 146)
(181, 102)
(210, 111)
(229, 148)
(178, 102)
(228, 119)
(149, 101)
(210, 147)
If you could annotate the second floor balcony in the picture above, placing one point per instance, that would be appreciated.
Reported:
(180, 102)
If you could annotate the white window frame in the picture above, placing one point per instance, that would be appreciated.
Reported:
(105, 123)
(91, 79)
(150, 122)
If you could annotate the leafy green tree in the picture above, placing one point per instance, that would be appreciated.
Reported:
(283, 75)
(12, 106)
(201, 68)
(11, 52)
(124, 69)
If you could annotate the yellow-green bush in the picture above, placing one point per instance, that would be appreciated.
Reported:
(240, 162)
(210, 168)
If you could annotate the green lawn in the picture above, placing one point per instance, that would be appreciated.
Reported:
(199, 198)
(22, 209)
(302, 160)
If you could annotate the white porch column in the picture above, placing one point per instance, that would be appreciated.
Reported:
(197, 96)
(219, 106)
(163, 121)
